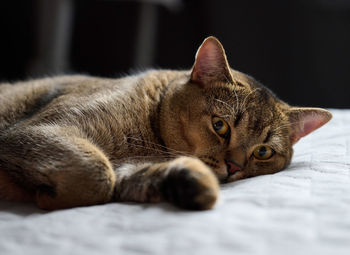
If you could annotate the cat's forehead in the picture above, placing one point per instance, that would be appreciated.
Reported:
(246, 94)
(250, 101)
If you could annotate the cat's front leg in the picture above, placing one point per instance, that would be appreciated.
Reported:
(186, 182)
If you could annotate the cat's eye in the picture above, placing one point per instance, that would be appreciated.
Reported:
(221, 127)
(263, 152)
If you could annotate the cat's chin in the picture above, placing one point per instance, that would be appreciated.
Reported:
(234, 177)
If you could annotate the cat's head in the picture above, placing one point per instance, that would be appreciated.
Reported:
(230, 121)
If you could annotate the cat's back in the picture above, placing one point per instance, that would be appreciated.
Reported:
(24, 100)
(78, 97)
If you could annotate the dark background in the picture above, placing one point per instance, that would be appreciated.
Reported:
(298, 48)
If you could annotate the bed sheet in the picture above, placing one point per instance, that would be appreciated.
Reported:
(304, 209)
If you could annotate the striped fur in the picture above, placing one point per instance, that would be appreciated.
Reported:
(77, 140)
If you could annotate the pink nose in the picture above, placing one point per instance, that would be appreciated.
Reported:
(232, 167)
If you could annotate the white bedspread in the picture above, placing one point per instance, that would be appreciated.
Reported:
(302, 210)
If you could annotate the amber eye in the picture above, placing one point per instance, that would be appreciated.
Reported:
(263, 152)
(221, 127)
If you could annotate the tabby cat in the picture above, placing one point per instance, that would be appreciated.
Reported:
(156, 136)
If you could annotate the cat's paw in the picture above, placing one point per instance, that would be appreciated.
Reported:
(190, 184)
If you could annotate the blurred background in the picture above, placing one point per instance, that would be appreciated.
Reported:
(298, 48)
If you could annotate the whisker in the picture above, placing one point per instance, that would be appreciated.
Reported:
(224, 116)
(227, 80)
(149, 157)
(246, 97)
(150, 148)
(149, 142)
(237, 101)
(229, 107)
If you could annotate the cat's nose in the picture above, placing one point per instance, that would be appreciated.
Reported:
(232, 167)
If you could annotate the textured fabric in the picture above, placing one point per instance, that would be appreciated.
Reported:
(304, 209)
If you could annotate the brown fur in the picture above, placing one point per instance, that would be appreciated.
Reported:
(78, 140)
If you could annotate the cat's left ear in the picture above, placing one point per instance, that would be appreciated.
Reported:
(211, 64)
(305, 120)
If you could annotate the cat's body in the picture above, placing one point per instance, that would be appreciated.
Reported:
(111, 113)
(159, 135)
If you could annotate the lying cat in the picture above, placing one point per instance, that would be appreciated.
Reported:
(157, 136)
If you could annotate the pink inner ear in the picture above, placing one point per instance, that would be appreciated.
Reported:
(311, 122)
(307, 122)
(208, 61)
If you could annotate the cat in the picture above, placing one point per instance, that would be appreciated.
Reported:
(161, 135)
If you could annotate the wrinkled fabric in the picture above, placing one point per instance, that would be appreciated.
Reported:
(304, 209)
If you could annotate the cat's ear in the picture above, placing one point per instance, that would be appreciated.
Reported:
(211, 64)
(305, 120)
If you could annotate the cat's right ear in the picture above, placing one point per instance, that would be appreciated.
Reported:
(211, 64)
